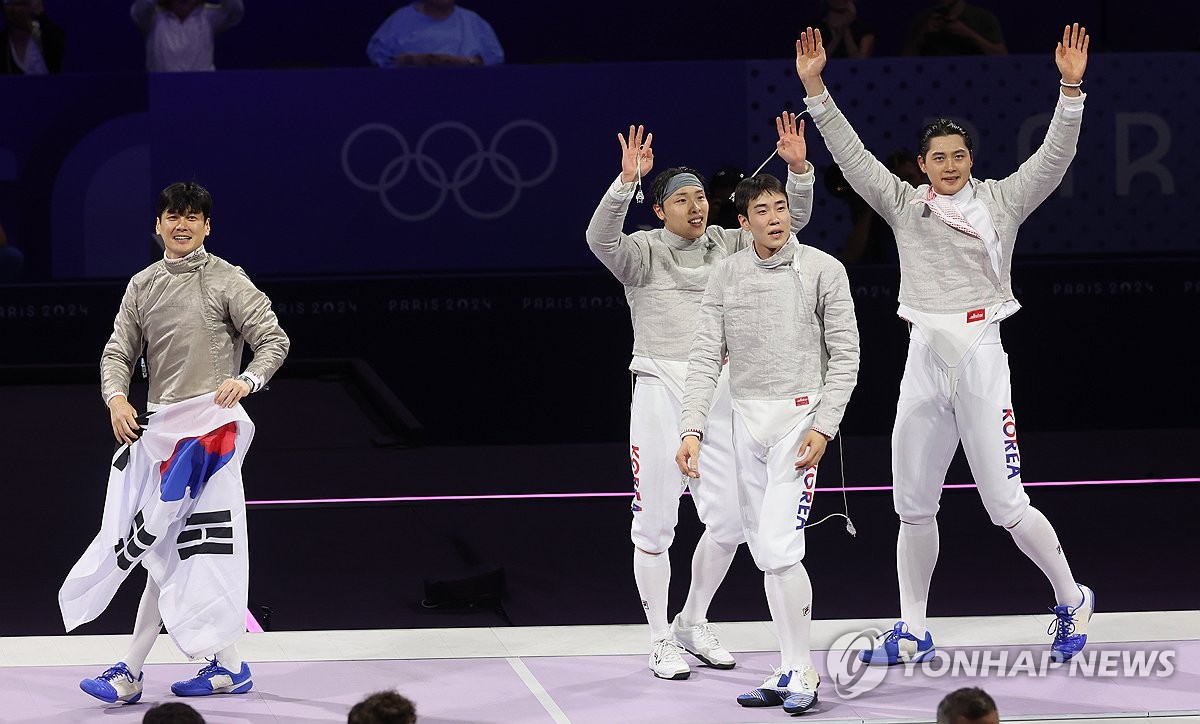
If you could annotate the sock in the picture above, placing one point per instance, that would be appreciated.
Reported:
(710, 563)
(230, 658)
(652, 573)
(777, 605)
(916, 556)
(789, 595)
(1036, 538)
(145, 629)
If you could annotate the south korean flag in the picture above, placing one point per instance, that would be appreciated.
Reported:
(175, 505)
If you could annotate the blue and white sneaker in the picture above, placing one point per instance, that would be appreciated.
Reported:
(1069, 626)
(760, 697)
(796, 690)
(802, 691)
(215, 679)
(899, 647)
(115, 684)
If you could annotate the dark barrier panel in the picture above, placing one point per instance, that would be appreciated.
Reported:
(541, 358)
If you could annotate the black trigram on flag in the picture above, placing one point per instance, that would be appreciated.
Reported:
(206, 534)
(122, 460)
(136, 542)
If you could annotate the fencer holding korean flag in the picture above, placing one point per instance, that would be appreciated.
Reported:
(193, 313)
(955, 237)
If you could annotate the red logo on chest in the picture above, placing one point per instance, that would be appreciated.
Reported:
(975, 315)
(801, 401)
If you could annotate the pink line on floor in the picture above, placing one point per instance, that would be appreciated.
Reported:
(552, 496)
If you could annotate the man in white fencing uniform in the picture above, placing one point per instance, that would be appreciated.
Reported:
(192, 312)
(783, 313)
(664, 272)
(955, 237)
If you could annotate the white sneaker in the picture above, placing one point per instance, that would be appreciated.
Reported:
(666, 660)
(701, 641)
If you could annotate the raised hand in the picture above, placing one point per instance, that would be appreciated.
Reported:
(635, 154)
(810, 56)
(791, 146)
(1071, 53)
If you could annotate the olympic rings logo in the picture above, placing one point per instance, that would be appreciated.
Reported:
(434, 173)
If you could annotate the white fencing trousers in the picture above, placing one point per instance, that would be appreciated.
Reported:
(653, 442)
(930, 424)
(775, 499)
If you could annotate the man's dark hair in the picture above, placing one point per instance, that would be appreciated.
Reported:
(659, 187)
(384, 707)
(751, 188)
(971, 702)
(174, 712)
(943, 127)
(183, 197)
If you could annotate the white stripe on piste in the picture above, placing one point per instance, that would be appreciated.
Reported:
(536, 688)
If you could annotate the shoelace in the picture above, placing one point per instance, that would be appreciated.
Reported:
(665, 644)
(211, 668)
(773, 679)
(1063, 621)
(115, 672)
(899, 631)
(708, 636)
(800, 677)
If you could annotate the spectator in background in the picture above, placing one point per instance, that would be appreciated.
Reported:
(870, 239)
(967, 706)
(30, 43)
(10, 259)
(869, 236)
(179, 33)
(385, 707)
(721, 210)
(846, 34)
(903, 163)
(954, 27)
(175, 712)
(434, 32)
